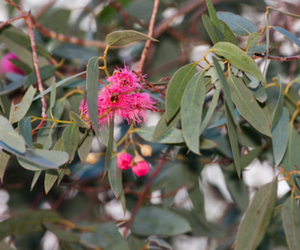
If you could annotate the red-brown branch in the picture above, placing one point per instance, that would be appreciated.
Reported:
(278, 58)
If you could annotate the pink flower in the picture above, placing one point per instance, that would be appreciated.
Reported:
(125, 79)
(124, 161)
(7, 66)
(141, 168)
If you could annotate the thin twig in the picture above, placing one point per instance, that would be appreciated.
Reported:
(150, 33)
(277, 58)
(2, 25)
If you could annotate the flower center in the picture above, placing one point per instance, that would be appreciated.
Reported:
(124, 83)
(114, 99)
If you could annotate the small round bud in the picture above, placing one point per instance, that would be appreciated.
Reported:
(91, 158)
(124, 161)
(146, 150)
(141, 168)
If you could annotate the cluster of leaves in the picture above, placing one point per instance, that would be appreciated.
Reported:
(260, 116)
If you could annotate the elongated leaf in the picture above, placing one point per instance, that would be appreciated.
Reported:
(25, 130)
(46, 72)
(252, 40)
(213, 15)
(24, 105)
(260, 93)
(191, 111)
(226, 90)
(53, 95)
(50, 178)
(62, 234)
(76, 118)
(280, 136)
(210, 29)
(233, 139)
(110, 145)
(43, 159)
(4, 158)
(228, 34)
(172, 136)
(124, 37)
(291, 222)
(10, 137)
(115, 177)
(248, 107)
(58, 84)
(279, 105)
(162, 125)
(176, 89)
(238, 24)
(71, 139)
(92, 90)
(288, 35)
(238, 59)
(158, 221)
(27, 222)
(257, 217)
(34, 179)
(85, 147)
(210, 111)
(107, 236)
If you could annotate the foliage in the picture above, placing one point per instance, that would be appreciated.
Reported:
(226, 108)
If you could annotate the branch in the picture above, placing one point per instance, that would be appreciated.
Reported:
(277, 58)
(150, 33)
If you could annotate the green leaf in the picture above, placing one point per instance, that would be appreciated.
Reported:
(53, 95)
(25, 130)
(27, 222)
(10, 137)
(43, 159)
(228, 34)
(213, 15)
(35, 178)
(191, 111)
(50, 178)
(23, 106)
(110, 144)
(62, 234)
(76, 118)
(163, 126)
(85, 147)
(252, 40)
(4, 158)
(210, 111)
(279, 105)
(233, 139)
(71, 138)
(107, 236)
(247, 106)
(124, 37)
(260, 93)
(288, 35)
(92, 91)
(176, 88)
(238, 59)
(280, 136)
(46, 72)
(115, 177)
(226, 90)
(291, 222)
(257, 217)
(153, 220)
(239, 25)
(210, 29)
(172, 136)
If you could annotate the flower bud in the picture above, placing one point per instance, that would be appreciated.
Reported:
(146, 150)
(124, 161)
(91, 158)
(141, 168)
(6, 66)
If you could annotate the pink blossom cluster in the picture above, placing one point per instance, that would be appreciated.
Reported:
(122, 98)
(138, 164)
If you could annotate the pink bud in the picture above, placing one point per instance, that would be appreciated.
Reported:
(141, 168)
(124, 160)
(6, 66)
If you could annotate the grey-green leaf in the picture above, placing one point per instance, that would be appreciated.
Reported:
(288, 35)
(191, 111)
(176, 88)
(238, 24)
(71, 138)
(76, 118)
(124, 37)
(115, 177)
(158, 221)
